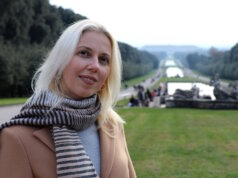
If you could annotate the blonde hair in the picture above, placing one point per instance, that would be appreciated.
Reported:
(49, 74)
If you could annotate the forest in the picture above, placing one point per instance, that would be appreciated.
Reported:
(29, 29)
(224, 63)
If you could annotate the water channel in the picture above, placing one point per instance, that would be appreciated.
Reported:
(174, 71)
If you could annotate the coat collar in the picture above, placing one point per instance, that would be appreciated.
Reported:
(107, 146)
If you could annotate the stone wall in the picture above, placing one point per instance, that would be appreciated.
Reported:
(204, 104)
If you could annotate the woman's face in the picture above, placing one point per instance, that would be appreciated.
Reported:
(89, 67)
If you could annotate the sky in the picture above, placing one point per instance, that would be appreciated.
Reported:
(203, 23)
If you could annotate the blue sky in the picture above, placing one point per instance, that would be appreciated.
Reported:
(203, 23)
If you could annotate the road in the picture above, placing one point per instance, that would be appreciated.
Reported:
(8, 112)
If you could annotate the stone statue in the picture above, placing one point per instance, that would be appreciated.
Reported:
(221, 94)
(234, 90)
(183, 94)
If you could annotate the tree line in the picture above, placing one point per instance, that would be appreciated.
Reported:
(28, 30)
(224, 63)
(136, 62)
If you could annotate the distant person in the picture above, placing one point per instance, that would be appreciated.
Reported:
(133, 102)
(158, 91)
(141, 95)
(149, 95)
(68, 127)
(154, 93)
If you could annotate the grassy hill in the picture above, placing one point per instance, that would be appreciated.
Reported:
(182, 143)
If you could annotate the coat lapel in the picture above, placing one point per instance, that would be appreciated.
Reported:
(107, 147)
(44, 136)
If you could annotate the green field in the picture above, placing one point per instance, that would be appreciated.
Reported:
(12, 101)
(182, 143)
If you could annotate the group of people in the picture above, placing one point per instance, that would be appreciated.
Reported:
(68, 127)
(144, 97)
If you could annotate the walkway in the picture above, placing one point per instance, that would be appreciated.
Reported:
(8, 112)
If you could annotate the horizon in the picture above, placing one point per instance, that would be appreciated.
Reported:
(187, 45)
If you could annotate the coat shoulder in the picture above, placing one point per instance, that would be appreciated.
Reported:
(29, 146)
(19, 130)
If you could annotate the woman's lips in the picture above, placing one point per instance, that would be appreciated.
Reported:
(88, 79)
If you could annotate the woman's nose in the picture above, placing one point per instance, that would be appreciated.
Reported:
(94, 65)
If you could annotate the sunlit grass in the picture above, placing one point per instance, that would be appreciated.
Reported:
(12, 101)
(186, 143)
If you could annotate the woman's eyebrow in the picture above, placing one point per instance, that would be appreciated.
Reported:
(84, 47)
(106, 54)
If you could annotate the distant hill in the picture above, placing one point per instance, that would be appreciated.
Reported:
(171, 49)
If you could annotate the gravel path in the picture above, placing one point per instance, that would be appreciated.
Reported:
(7, 112)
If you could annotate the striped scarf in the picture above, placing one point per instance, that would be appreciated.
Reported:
(65, 117)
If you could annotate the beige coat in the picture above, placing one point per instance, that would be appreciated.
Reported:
(27, 152)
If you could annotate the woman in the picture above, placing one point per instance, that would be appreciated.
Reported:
(68, 127)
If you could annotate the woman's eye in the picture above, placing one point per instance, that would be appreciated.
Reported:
(104, 60)
(83, 53)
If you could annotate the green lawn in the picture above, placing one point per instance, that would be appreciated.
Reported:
(11, 101)
(182, 143)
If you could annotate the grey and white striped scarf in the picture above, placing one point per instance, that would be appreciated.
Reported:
(65, 117)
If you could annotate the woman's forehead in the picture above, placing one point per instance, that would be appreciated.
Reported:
(95, 40)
